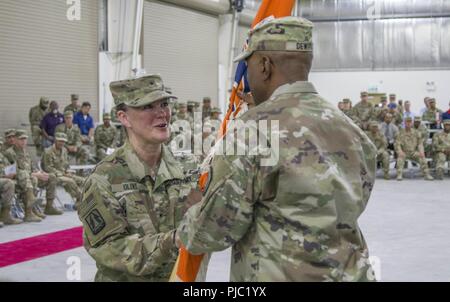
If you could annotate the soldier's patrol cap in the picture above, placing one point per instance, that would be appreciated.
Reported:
(417, 119)
(364, 93)
(106, 116)
(20, 134)
(68, 113)
(138, 92)
(282, 34)
(383, 98)
(373, 124)
(44, 100)
(408, 119)
(392, 95)
(346, 101)
(190, 103)
(206, 99)
(182, 104)
(61, 136)
(10, 132)
(74, 97)
(216, 110)
(446, 122)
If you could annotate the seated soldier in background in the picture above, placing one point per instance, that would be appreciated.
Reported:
(28, 179)
(206, 107)
(35, 117)
(74, 107)
(364, 110)
(381, 143)
(409, 145)
(10, 139)
(432, 115)
(7, 187)
(441, 146)
(347, 110)
(421, 128)
(55, 161)
(104, 137)
(74, 146)
(397, 117)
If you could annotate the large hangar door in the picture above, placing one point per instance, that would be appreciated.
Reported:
(182, 46)
(42, 53)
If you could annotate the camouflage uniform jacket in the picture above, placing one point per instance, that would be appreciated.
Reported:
(296, 220)
(4, 162)
(105, 137)
(378, 139)
(430, 115)
(130, 214)
(21, 157)
(423, 131)
(73, 134)
(441, 142)
(409, 141)
(364, 112)
(72, 108)
(54, 161)
(36, 115)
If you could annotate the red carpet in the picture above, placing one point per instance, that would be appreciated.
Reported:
(40, 246)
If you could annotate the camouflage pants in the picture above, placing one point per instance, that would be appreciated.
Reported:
(414, 156)
(100, 153)
(7, 188)
(72, 184)
(441, 158)
(81, 156)
(37, 140)
(26, 181)
(383, 156)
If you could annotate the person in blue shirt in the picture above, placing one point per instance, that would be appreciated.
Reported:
(85, 122)
(49, 123)
(446, 115)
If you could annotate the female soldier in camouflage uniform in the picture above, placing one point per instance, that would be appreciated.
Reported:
(136, 197)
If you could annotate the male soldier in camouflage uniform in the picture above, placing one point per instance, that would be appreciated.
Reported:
(294, 220)
(191, 108)
(104, 137)
(121, 135)
(421, 128)
(28, 180)
(7, 187)
(206, 108)
(181, 128)
(74, 146)
(74, 106)
(35, 117)
(441, 146)
(397, 117)
(381, 143)
(364, 111)
(349, 112)
(432, 114)
(136, 197)
(409, 145)
(55, 161)
(10, 139)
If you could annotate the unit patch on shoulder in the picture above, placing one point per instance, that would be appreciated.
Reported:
(95, 221)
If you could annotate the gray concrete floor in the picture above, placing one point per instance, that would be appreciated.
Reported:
(406, 226)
